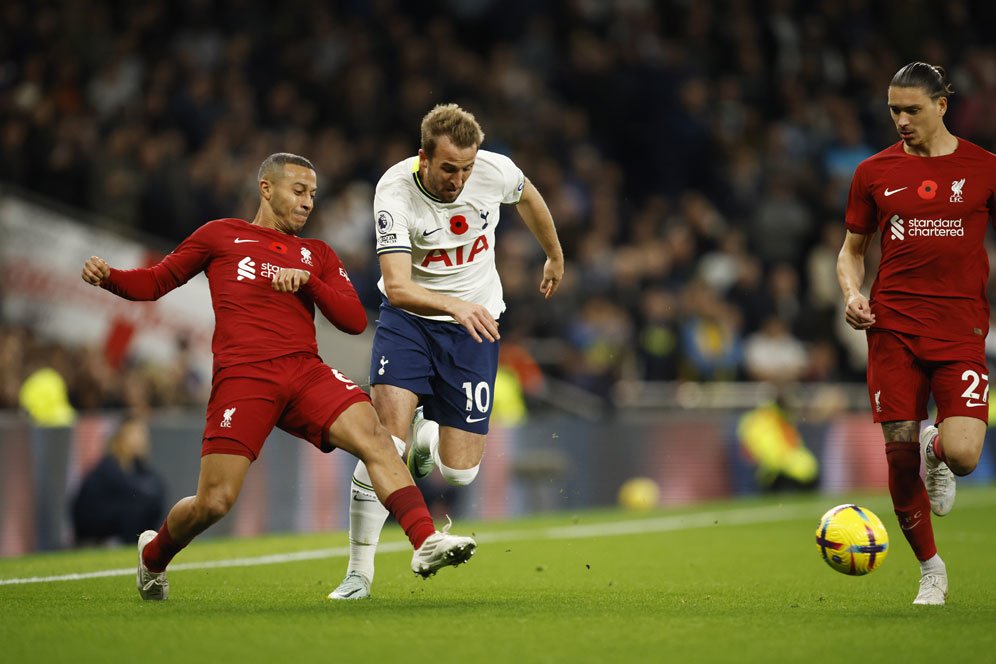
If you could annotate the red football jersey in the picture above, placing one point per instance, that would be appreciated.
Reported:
(933, 213)
(253, 322)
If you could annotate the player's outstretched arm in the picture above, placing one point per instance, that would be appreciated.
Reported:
(850, 275)
(537, 217)
(150, 283)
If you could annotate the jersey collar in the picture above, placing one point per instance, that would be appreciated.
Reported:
(418, 182)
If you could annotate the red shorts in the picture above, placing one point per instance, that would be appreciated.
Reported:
(298, 393)
(904, 370)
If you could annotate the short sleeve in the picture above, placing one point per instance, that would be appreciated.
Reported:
(512, 179)
(861, 217)
(392, 221)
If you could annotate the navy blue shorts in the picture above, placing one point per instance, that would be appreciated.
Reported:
(439, 361)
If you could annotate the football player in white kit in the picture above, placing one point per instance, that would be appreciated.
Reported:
(437, 334)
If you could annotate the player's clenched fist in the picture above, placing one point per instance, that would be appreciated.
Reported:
(95, 270)
(289, 280)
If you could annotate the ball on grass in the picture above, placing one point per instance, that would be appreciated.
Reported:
(639, 493)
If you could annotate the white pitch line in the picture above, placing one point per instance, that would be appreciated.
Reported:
(612, 529)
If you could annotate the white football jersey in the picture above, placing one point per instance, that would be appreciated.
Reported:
(451, 244)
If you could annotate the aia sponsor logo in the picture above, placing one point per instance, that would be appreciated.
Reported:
(461, 255)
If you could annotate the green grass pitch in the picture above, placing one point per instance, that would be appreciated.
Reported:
(739, 581)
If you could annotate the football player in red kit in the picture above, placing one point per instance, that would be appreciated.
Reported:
(931, 196)
(265, 284)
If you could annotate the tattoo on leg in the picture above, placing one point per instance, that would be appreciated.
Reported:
(901, 431)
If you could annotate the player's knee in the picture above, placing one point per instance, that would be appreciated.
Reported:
(459, 476)
(381, 444)
(962, 461)
(215, 505)
(962, 467)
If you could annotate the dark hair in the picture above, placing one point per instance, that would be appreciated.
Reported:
(921, 75)
(278, 159)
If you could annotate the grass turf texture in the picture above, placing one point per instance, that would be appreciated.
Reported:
(737, 581)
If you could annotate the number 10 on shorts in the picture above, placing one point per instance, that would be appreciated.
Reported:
(479, 396)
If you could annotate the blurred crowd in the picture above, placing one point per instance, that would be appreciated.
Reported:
(52, 380)
(696, 154)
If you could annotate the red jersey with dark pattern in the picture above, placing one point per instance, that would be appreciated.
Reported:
(933, 213)
(253, 322)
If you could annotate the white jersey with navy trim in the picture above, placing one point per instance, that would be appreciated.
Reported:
(451, 244)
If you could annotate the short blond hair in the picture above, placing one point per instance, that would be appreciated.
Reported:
(453, 122)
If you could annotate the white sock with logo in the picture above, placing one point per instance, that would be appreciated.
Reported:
(366, 519)
(933, 565)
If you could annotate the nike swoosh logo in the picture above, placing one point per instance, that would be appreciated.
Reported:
(471, 420)
(890, 192)
(972, 404)
(910, 527)
(240, 240)
(360, 499)
(428, 233)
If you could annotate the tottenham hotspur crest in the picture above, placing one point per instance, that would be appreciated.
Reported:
(956, 187)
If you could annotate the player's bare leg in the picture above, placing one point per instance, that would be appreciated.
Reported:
(960, 443)
(458, 455)
(218, 487)
(359, 431)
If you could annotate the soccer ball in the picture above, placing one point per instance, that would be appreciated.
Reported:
(852, 540)
(639, 493)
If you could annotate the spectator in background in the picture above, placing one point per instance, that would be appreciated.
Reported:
(123, 494)
(771, 442)
(773, 354)
(710, 336)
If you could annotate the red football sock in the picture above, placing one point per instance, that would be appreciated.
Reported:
(939, 449)
(408, 508)
(161, 550)
(909, 497)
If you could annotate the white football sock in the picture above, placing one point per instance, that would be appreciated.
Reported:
(932, 565)
(426, 436)
(366, 519)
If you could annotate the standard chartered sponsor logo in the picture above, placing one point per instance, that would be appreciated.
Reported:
(935, 228)
(896, 224)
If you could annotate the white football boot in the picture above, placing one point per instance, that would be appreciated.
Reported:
(933, 589)
(354, 586)
(419, 460)
(442, 550)
(938, 479)
(151, 585)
